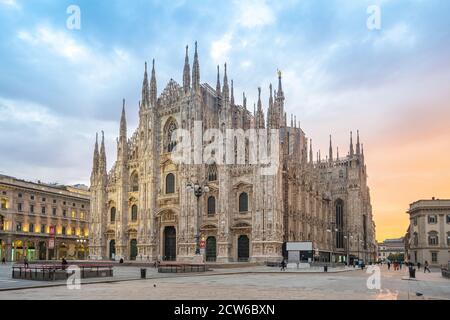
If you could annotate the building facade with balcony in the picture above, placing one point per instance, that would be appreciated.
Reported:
(429, 231)
(41, 221)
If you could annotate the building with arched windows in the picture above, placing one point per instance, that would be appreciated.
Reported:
(141, 209)
(42, 221)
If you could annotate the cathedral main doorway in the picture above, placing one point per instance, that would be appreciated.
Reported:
(211, 253)
(170, 244)
(112, 249)
(133, 249)
(243, 248)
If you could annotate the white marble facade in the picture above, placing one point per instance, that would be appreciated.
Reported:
(142, 209)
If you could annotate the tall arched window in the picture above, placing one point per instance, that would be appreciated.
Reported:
(339, 223)
(211, 206)
(170, 183)
(170, 136)
(243, 202)
(415, 239)
(134, 212)
(134, 182)
(212, 172)
(2, 223)
(112, 217)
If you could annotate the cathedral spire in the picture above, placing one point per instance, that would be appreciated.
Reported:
(123, 122)
(153, 90)
(244, 101)
(337, 153)
(311, 160)
(145, 90)
(96, 155)
(196, 71)
(280, 87)
(218, 82)
(331, 150)
(351, 144)
(102, 161)
(358, 148)
(225, 89)
(232, 94)
(186, 72)
(260, 112)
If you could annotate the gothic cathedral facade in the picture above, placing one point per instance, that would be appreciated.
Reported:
(144, 207)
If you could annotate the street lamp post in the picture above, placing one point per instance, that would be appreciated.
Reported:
(199, 190)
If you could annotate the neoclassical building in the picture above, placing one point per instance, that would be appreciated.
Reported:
(145, 209)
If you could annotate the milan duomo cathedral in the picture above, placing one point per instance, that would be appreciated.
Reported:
(148, 207)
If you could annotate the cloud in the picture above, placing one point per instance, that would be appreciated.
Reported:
(11, 3)
(220, 48)
(398, 35)
(254, 13)
(57, 42)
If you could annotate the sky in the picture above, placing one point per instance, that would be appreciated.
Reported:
(59, 85)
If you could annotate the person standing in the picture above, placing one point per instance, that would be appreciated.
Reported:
(389, 265)
(283, 265)
(418, 265)
(426, 267)
(25, 262)
(3, 260)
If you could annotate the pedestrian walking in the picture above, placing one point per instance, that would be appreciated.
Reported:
(283, 265)
(389, 265)
(418, 265)
(3, 260)
(25, 262)
(426, 268)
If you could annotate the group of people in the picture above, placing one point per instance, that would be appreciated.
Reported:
(398, 265)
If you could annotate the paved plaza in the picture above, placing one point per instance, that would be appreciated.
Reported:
(239, 283)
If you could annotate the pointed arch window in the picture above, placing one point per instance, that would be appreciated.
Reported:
(339, 216)
(170, 183)
(134, 182)
(112, 217)
(170, 136)
(243, 202)
(134, 212)
(211, 206)
(212, 172)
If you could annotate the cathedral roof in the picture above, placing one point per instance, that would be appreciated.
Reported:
(171, 93)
